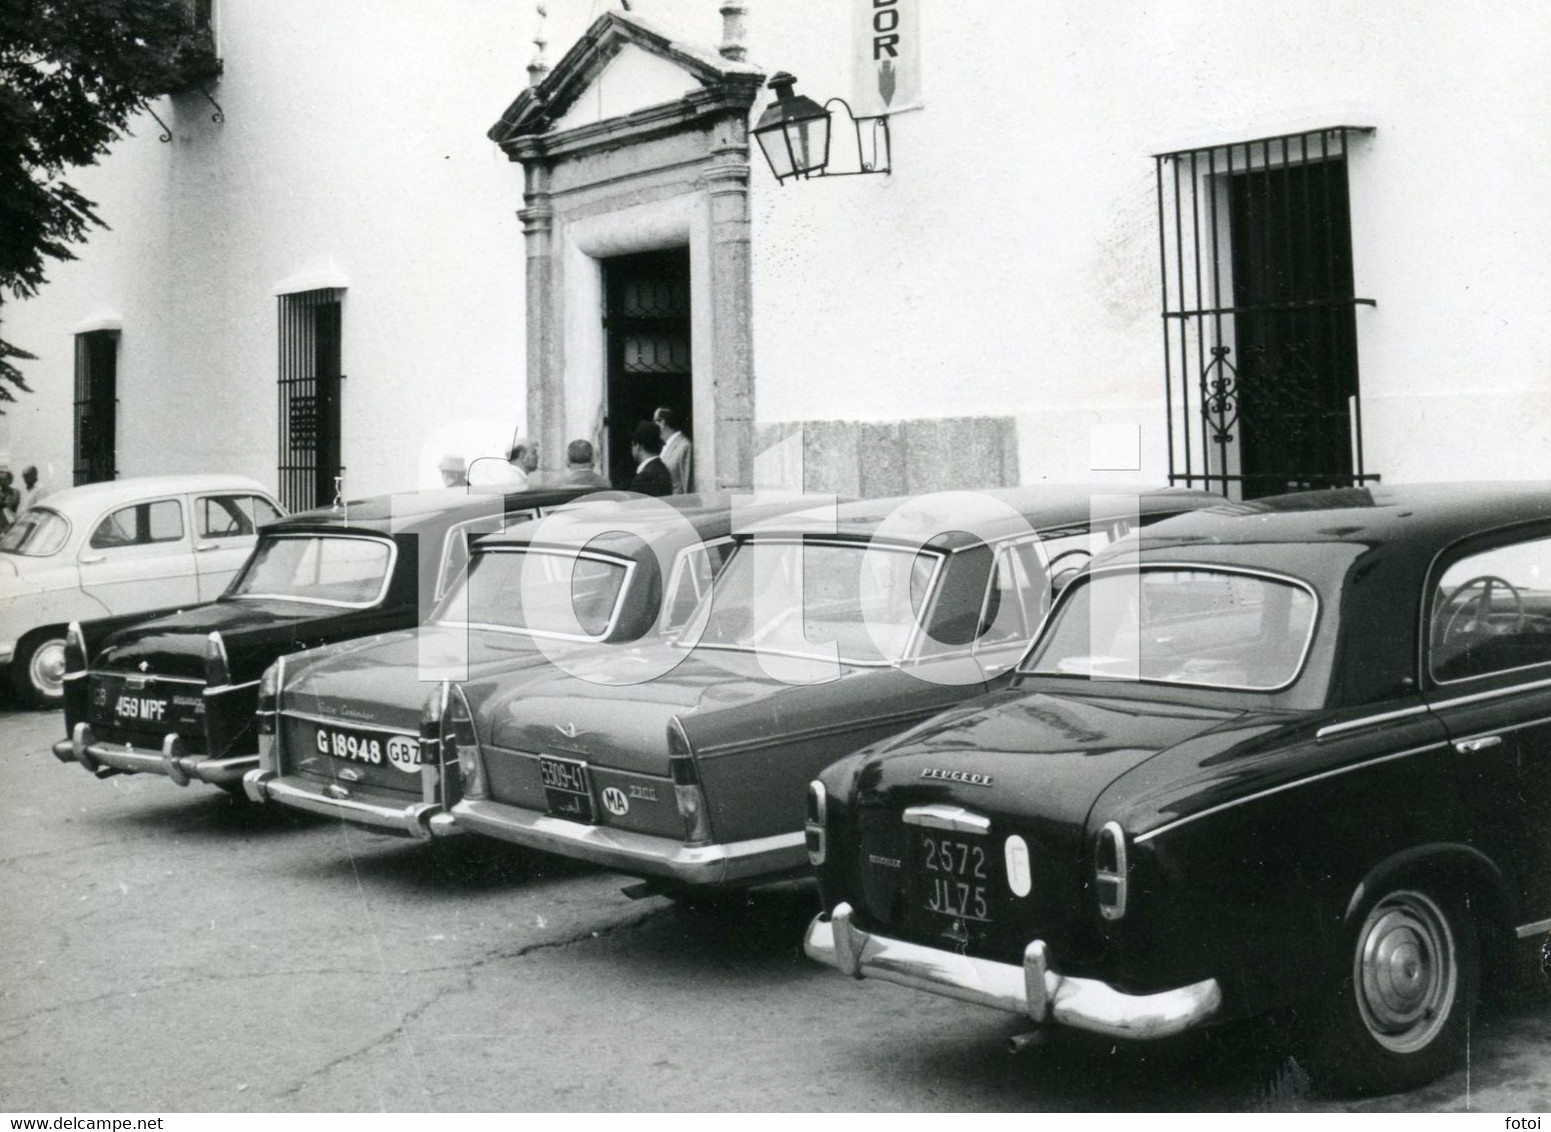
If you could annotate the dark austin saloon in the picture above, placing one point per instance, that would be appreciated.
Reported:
(176, 694)
(356, 725)
(1285, 754)
(685, 763)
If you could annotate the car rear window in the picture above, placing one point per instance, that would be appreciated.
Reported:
(38, 532)
(327, 569)
(551, 593)
(1198, 627)
(805, 598)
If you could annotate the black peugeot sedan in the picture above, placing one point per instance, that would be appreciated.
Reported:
(1294, 753)
(175, 694)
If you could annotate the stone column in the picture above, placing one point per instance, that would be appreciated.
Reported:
(546, 386)
(726, 180)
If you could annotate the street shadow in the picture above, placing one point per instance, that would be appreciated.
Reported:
(453, 865)
(1245, 1066)
(754, 932)
(205, 812)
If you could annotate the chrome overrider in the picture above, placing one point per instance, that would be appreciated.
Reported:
(173, 760)
(1033, 990)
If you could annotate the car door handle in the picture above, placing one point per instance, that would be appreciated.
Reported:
(204, 546)
(94, 559)
(1471, 746)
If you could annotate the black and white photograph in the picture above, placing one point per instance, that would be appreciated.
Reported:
(841, 556)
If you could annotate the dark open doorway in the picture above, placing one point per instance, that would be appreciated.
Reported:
(1295, 325)
(646, 318)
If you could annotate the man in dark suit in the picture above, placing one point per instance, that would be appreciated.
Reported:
(651, 474)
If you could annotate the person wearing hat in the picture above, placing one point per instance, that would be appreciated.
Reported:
(454, 471)
(651, 474)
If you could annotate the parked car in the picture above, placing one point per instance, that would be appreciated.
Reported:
(176, 694)
(823, 631)
(109, 549)
(357, 724)
(1294, 753)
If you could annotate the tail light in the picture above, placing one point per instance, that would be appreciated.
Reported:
(813, 828)
(431, 727)
(268, 715)
(218, 672)
(686, 785)
(75, 649)
(1109, 871)
(457, 751)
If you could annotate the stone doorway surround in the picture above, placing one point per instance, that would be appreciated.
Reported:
(633, 142)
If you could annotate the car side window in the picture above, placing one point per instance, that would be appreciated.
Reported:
(262, 510)
(1016, 598)
(226, 516)
(692, 580)
(140, 524)
(1491, 612)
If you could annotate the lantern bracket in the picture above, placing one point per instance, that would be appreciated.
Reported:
(876, 158)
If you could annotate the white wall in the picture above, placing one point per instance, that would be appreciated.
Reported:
(1009, 265)
(351, 139)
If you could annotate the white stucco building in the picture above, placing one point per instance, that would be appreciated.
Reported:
(1341, 269)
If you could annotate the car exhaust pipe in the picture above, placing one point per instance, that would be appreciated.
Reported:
(1020, 1042)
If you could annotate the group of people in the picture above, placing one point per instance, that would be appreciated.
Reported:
(662, 453)
(14, 500)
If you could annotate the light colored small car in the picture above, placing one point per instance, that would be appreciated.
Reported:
(110, 549)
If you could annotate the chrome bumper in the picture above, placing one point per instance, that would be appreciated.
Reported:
(421, 820)
(639, 854)
(172, 760)
(1033, 990)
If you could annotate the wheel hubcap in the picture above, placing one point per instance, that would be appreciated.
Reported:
(48, 668)
(1406, 971)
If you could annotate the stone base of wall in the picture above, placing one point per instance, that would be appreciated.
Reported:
(872, 459)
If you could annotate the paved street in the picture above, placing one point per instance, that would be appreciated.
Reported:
(167, 949)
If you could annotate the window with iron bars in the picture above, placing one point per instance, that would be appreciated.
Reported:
(96, 406)
(1260, 314)
(310, 391)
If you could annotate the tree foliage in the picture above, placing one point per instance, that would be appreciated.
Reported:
(72, 74)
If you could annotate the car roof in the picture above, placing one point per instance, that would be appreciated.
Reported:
(410, 511)
(93, 497)
(658, 521)
(1431, 515)
(1044, 507)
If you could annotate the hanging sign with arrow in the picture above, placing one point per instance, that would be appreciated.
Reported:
(886, 48)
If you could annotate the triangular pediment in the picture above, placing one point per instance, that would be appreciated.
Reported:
(621, 65)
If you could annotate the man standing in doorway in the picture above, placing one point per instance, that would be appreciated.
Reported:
(651, 476)
(677, 453)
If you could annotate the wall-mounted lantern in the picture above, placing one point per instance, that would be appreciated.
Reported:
(794, 133)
